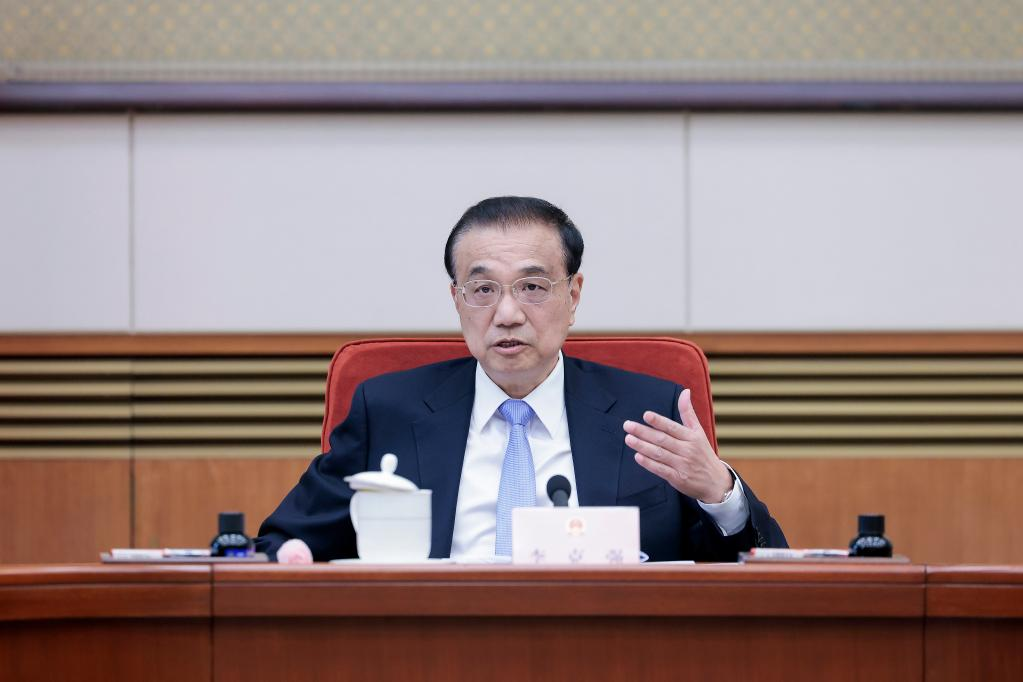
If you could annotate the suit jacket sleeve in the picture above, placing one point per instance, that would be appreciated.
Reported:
(704, 537)
(316, 509)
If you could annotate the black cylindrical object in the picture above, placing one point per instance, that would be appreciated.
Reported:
(231, 540)
(871, 540)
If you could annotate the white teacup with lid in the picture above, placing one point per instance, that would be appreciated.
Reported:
(391, 516)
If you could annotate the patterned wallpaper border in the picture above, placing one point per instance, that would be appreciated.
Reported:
(511, 41)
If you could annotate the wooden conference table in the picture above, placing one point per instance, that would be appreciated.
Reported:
(441, 622)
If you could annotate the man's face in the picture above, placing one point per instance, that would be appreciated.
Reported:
(516, 343)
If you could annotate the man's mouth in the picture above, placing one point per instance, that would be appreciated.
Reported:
(509, 343)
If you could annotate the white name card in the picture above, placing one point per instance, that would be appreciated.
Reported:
(575, 535)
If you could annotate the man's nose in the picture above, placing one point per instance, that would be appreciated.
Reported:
(508, 309)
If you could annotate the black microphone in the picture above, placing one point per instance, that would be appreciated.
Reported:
(559, 490)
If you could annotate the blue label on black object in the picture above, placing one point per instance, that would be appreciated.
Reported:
(237, 552)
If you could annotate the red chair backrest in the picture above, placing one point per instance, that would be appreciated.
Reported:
(673, 359)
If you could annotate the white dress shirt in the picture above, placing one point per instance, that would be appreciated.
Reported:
(476, 511)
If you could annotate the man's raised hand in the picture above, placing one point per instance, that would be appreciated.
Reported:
(680, 453)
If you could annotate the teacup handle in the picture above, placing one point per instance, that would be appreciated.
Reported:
(352, 506)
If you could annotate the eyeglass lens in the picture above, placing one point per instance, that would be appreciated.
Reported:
(485, 293)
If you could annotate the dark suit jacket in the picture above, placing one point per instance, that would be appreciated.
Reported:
(422, 415)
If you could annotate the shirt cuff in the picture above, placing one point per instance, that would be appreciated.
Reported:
(731, 514)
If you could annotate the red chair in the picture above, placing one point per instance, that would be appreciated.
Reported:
(673, 359)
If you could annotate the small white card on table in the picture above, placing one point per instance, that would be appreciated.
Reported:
(575, 535)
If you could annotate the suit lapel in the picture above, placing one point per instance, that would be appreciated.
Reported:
(440, 444)
(597, 437)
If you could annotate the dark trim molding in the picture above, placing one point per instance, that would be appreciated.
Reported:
(511, 96)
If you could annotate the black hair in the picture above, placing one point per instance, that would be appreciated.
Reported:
(517, 211)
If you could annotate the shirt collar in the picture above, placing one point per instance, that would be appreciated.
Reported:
(547, 400)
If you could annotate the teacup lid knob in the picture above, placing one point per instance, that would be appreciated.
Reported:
(384, 480)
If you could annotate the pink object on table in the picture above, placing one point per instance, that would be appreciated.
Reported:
(295, 552)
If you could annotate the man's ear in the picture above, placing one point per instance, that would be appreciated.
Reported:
(454, 294)
(575, 295)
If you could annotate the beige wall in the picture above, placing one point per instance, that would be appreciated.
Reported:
(693, 222)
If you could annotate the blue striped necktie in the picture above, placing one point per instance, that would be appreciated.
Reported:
(518, 478)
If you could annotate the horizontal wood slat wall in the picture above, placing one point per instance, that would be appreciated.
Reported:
(231, 421)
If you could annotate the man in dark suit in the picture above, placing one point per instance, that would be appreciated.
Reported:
(486, 433)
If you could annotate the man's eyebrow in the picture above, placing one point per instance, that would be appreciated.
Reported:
(534, 270)
(527, 271)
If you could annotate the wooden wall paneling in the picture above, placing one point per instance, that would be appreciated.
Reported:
(177, 500)
(215, 434)
(64, 509)
(222, 421)
(937, 510)
(65, 469)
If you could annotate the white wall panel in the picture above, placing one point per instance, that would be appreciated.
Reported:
(809, 222)
(303, 222)
(64, 223)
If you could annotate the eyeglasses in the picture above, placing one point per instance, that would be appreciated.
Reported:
(484, 293)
